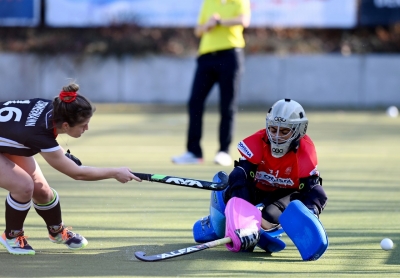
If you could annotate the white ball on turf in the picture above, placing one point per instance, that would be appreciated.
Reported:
(392, 111)
(386, 244)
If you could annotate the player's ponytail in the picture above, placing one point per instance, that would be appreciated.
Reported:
(71, 107)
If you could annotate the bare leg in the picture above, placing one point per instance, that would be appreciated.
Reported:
(42, 193)
(15, 179)
(267, 225)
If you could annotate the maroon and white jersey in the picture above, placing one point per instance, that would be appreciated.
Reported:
(26, 127)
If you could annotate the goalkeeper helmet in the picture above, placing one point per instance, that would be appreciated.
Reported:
(286, 124)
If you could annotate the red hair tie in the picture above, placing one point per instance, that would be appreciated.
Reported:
(68, 96)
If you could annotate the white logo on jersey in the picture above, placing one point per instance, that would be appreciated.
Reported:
(35, 113)
(314, 172)
(17, 101)
(271, 179)
(244, 149)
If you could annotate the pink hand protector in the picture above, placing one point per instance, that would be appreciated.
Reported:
(243, 223)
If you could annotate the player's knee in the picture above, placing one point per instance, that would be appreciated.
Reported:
(316, 198)
(22, 191)
(271, 214)
(43, 194)
(266, 225)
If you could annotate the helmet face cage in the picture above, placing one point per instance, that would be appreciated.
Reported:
(285, 114)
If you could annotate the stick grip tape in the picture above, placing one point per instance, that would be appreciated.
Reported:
(142, 176)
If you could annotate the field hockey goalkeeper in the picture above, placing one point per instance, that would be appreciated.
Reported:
(278, 167)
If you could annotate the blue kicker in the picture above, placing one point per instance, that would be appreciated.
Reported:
(305, 230)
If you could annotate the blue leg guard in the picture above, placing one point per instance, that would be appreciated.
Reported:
(270, 241)
(305, 230)
(212, 227)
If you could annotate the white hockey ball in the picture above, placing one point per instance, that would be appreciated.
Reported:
(386, 244)
(392, 111)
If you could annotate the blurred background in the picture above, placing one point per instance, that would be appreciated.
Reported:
(322, 53)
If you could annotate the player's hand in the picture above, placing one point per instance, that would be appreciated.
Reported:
(124, 175)
(212, 22)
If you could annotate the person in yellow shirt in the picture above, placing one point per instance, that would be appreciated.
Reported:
(220, 60)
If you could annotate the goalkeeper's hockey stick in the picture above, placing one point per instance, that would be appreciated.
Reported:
(180, 252)
(194, 183)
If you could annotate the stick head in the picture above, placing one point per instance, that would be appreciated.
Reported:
(139, 255)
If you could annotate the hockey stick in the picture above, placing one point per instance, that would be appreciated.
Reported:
(180, 252)
(208, 185)
(140, 255)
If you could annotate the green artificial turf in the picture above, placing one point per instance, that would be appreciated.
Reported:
(359, 157)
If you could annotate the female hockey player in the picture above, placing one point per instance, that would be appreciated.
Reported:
(278, 165)
(28, 127)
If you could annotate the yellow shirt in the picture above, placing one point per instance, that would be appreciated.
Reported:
(222, 37)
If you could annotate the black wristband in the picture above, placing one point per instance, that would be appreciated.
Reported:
(218, 22)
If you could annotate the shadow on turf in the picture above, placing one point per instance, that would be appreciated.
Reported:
(121, 261)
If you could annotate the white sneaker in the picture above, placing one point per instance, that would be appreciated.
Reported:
(223, 158)
(71, 240)
(187, 158)
(17, 245)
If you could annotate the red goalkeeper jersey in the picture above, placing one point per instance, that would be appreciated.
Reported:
(284, 172)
